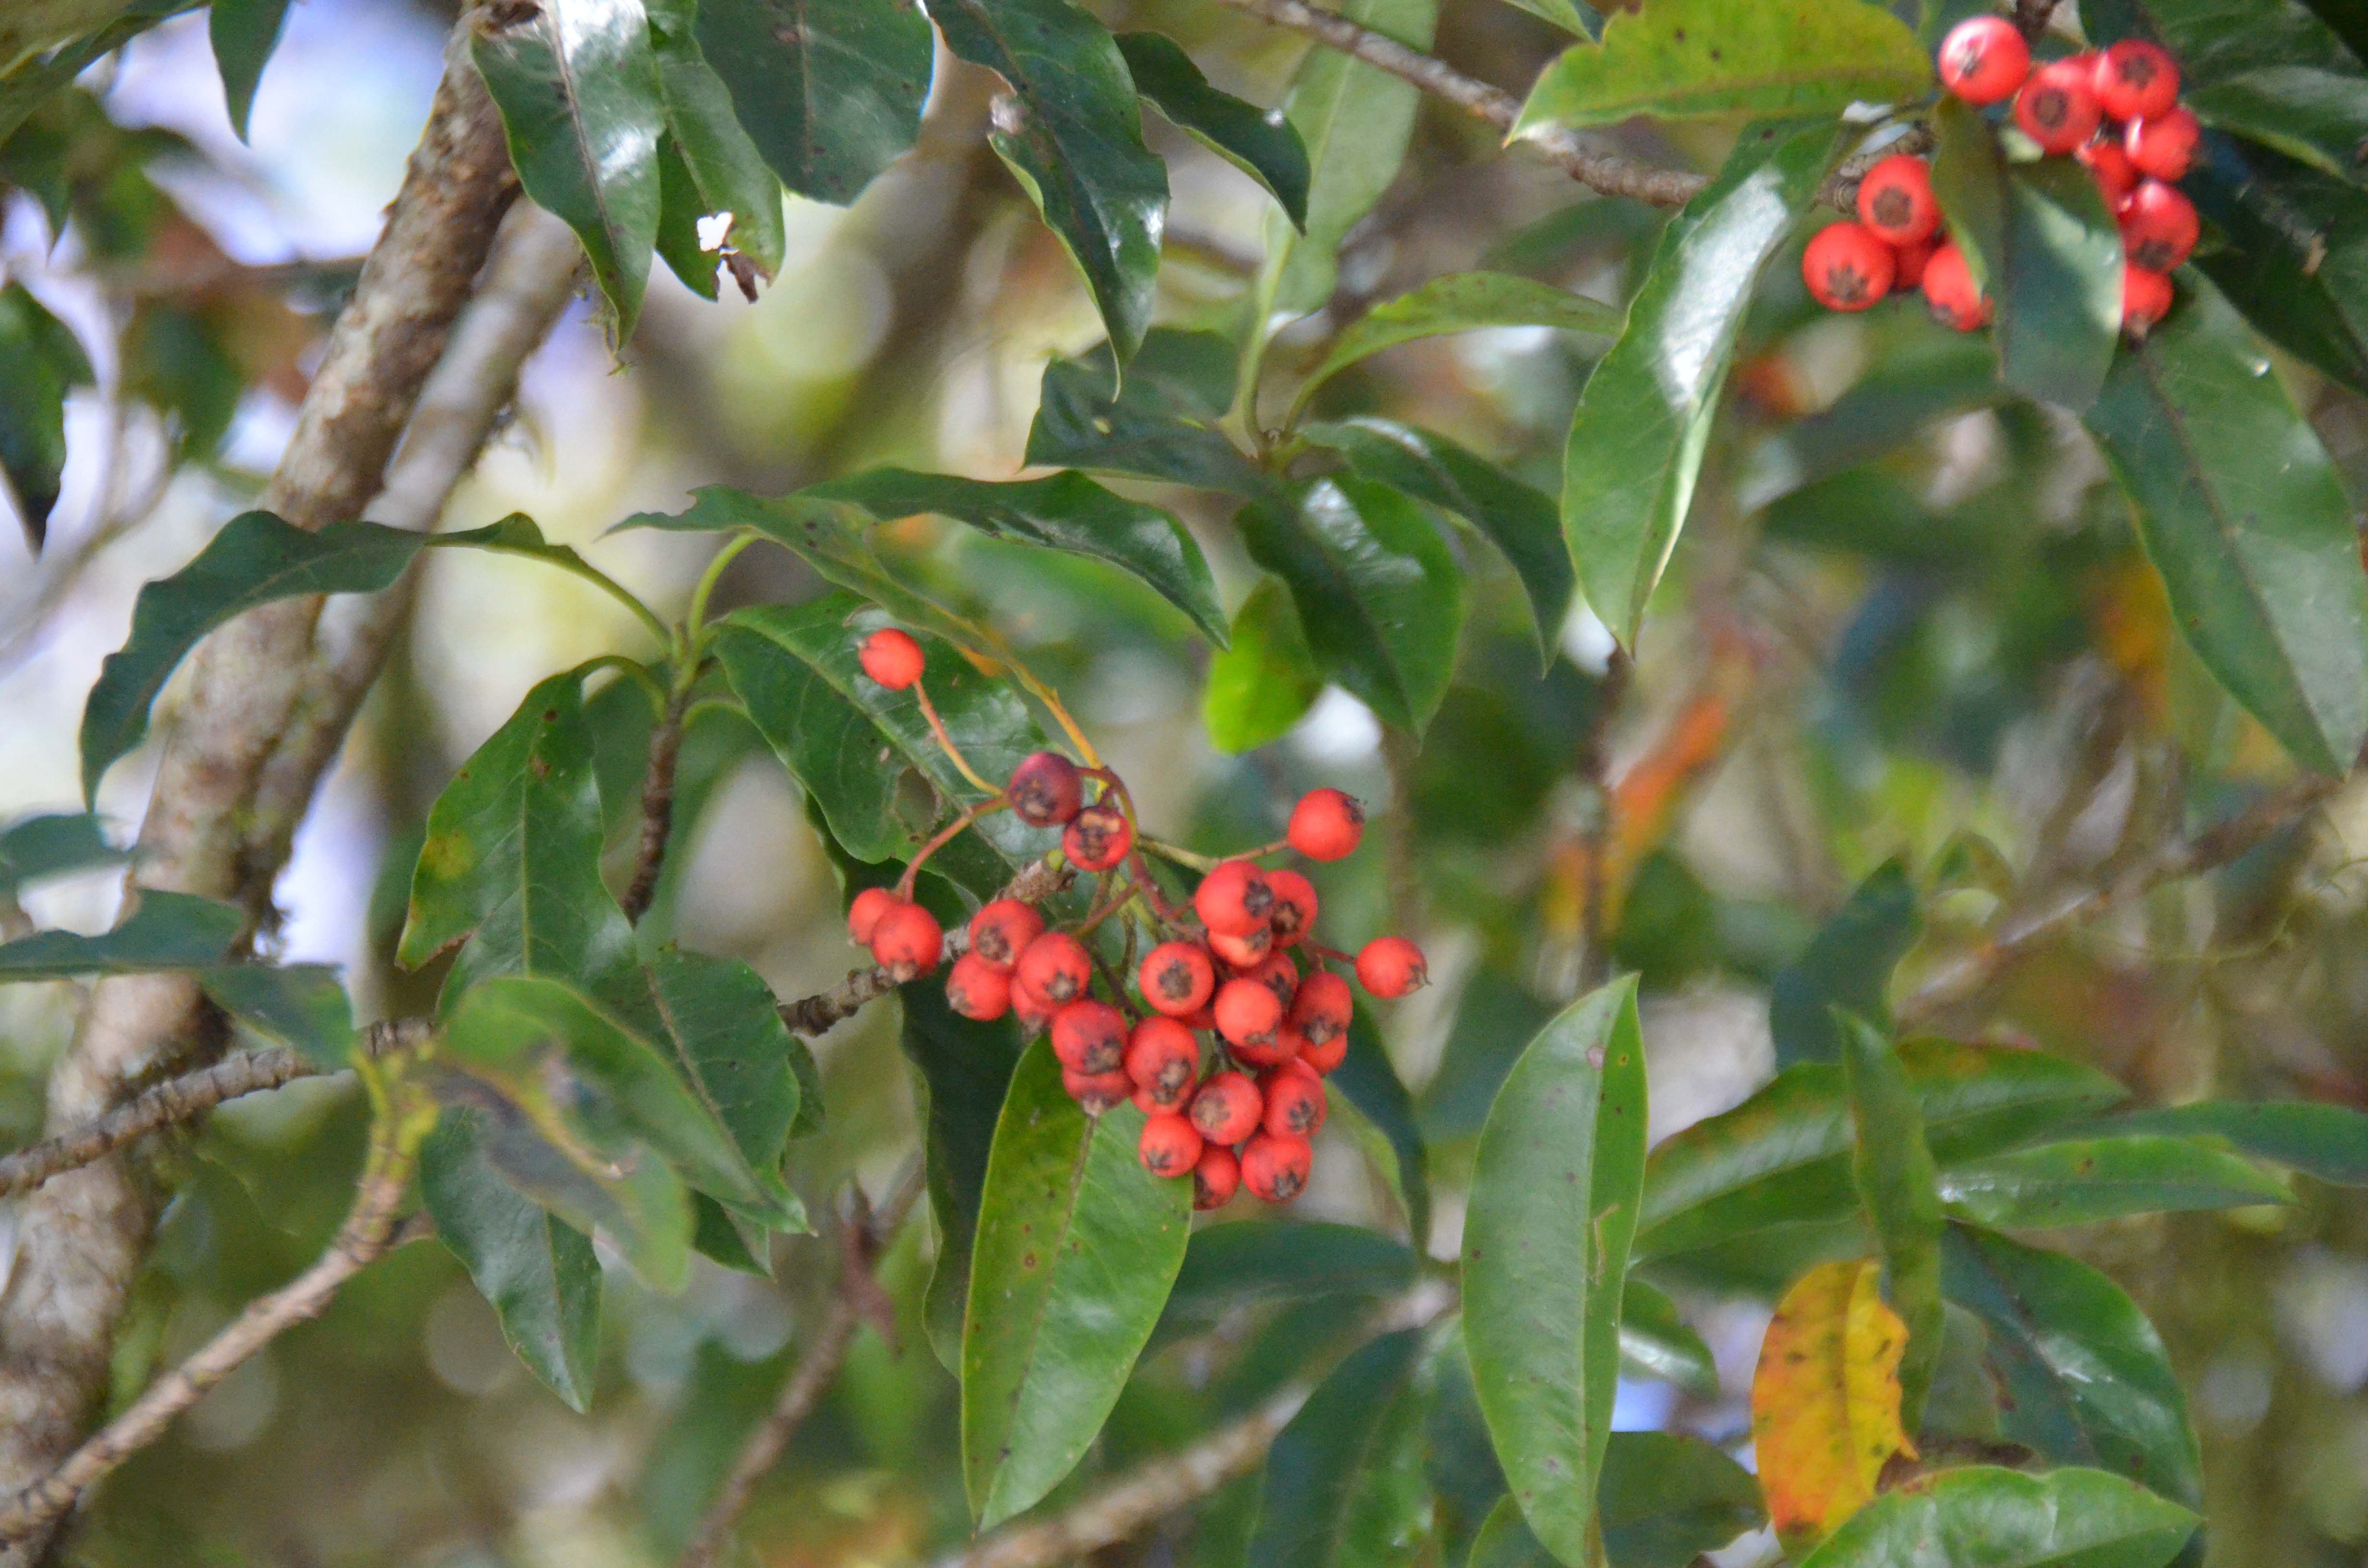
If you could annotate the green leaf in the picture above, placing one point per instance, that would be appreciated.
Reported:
(2295, 256)
(2243, 512)
(830, 91)
(1847, 966)
(727, 173)
(681, 210)
(1234, 1265)
(1505, 1541)
(1655, 1342)
(966, 1067)
(1344, 1485)
(1458, 301)
(44, 362)
(1518, 519)
(1380, 1116)
(1979, 1516)
(1066, 512)
(1893, 1169)
(1076, 1247)
(2083, 1180)
(1073, 136)
(1162, 422)
(243, 33)
(1555, 1192)
(1636, 442)
(56, 845)
(1262, 145)
(302, 1006)
(2083, 1376)
(1935, 375)
(1686, 59)
(1378, 596)
(2039, 237)
(2329, 1141)
(1265, 679)
(1667, 1499)
(164, 931)
(577, 87)
(28, 76)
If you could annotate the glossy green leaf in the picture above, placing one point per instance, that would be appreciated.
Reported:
(1380, 1115)
(2244, 514)
(1555, 1193)
(2329, 1141)
(830, 91)
(1892, 1166)
(1458, 301)
(1847, 966)
(1265, 680)
(2083, 1376)
(1162, 422)
(965, 1067)
(2083, 1180)
(1380, 597)
(243, 33)
(1665, 1499)
(1072, 135)
(1979, 1516)
(303, 1007)
(57, 844)
(44, 363)
(1684, 59)
(164, 931)
(577, 87)
(1344, 1485)
(1636, 442)
(1076, 1247)
(1262, 145)
(727, 170)
(682, 243)
(1505, 1541)
(2295, 256)
(1655, 1342)
(1234, 1265)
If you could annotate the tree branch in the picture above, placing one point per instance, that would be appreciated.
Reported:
(657, 806)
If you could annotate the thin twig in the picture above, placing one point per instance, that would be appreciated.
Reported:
(657, 806)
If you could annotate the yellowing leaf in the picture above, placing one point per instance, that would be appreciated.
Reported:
(1825, 1399)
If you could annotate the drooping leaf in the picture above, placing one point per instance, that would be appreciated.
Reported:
(44, 363)
(2296, 260)
(1344, 1485)
(966, 1066)
(1825, 1399)
(2083, 1180)
(1980, 1516)
(1232, 1266)
(684, 233)
(53, 845)
(302, 1006)
(243, 33)
(1897, 1183)
(1655, 1342)
(1458, 301)
(1161, 423)
(1665, 1499)
(1636, 442)
(1262, 145)
(830, 91)
(726, 169)
(1075, 1249)
(1847, 966)
(2243, 512)
(1555, 1192)
(1265, 680)
(1380, 1116)
(2329, 1141)
(164, 931)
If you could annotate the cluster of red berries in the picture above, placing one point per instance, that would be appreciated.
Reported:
(1238, 1114)
(2115, 110)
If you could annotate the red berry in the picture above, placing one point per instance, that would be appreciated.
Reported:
(1327, 1056)
(1293, 914)
(1035, 1017)
(1896, 201)
(1247, 1013)
(1233, 900)
(1097, 1091)
(1907, 263)
(1847, 266)
(1294, 1101)
(891, 658)
(976, 989)
(864, 914)
(2145, 299)
(1227, 1108)
(1044, 790)
(1215, 1178)
(2116, 176)
(1949, 289)
(1054, 968)
(907, 942)
(2058, 107)
(1283, 1046)
(2158, 227)
(1163, 1058)
(1984, 59)
(1090, 1037)
(1002, 930)
(2165, 145)
(2135, 80)
(1391, 965)
(1176, 978)
(1322, 1008)
(1170, 1146)
(1278, 974)
(1326, 824)
(1276, 1168)
(1098, 837)
(1243, 953)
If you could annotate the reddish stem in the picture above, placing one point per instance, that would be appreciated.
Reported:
(937, 728)
(944, 835)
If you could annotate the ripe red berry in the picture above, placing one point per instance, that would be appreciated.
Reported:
(1163, 1058)
(2158, 227)
(1293, 914)
(1278, 974)
(1044, 790)
(1247, 1013)
(1896, 201)
(1948, 288)
(1327, 1056)
(2116, 176)
(1326, 824)
(1233, 900)
(1097, 1091)
(1170, 1146)
(1215, 1178)
(1283, 1046)
(1176, 978)
(1294, 1101)
(907, 942)
(1322, 1008)
(1847, 266)
(1276, 1168)
(976, 989)
(1002, 930)
(1098, 837)
(1090, 1037)
(1984, 59)
(1227, 1108)
(1035, 1016)
(1054, 968)
(891, 658)
(1391, 965)
(2165, 145)
(2145, 299)
(2058, 107)
(2135, 80)
(1907, 263)
(864, 914)
(1241, 952)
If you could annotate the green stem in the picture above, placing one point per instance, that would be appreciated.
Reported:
(694, 622)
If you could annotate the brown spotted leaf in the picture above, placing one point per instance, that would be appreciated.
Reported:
(1825, 1399)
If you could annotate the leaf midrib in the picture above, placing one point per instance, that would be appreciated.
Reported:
(571, 99)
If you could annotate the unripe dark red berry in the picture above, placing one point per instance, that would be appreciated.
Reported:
(976, 989)
(2158, 227)
(1391, 965)
(1847, 266)
(1948, 288)
(1090, 1037)
(1294, 1101)
(2058, 107)
(1164, 1060)
(1002, 930)
(1984, 59)
(1170, 1146)
(1044, 790)
(1247, 1013)
(864, 914)
(892, 658)
(1233, 900)
(907, 942)
(1276, 1168)
(1322, 1008)
(1278, 974)
(1326, 824)
(1896, 201)
(1246, 951)
(1097, 1091)
(1226, 1109)
(1216, 1177)
(2116, 176)
(1176, 978)
(1293, 914)
(1098, 837)
(1907, 263)
(1327, 1055)
(1054, 969)
(1276, 1049)
(2146, 297)
(2135, 80)
(2165, 145)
